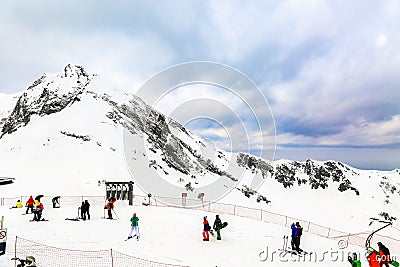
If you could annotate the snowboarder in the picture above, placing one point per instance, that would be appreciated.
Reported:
(29, 204)
(110, 206)
(354, 261)
(17, 205)
(86, 206)
(134, 227)
(299, 233)
(37, 211)
(55, 202)
(294, 237)
(384, 255)
(218, 226)
(206, 228)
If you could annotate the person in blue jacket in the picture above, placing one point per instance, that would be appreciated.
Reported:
(294, 237)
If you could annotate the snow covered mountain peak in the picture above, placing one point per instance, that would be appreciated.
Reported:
(49, 94)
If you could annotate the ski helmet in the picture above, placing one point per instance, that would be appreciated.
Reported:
(134, 214)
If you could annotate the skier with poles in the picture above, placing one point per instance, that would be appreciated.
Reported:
(110, 207)
(134, 227)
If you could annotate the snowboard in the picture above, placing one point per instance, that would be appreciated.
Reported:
(109, 219)
(42, 220)
(394, 263)
(294, 252)
(225, 224)
(75, 219)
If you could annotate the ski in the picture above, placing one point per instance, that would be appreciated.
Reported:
(137, 238)
(74, 219)
(295, 252)
(108, 218)
(42, 220)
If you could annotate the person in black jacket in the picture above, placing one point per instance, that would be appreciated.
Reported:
(86, 206)
(83, 211)
(298, 237)
(385, 254)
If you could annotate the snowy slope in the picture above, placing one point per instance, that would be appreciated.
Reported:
(65, 135)
(172, 235)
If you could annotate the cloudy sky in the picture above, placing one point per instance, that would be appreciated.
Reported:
(329, 70)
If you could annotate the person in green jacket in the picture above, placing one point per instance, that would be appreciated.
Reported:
(134, 226)
(354, 261)
(218, 226)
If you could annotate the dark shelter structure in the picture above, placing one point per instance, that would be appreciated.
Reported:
(120, 191)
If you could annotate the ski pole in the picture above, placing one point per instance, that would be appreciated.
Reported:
(115, 213)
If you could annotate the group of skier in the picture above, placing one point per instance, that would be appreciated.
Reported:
(217, 226)
(84, 208)
(35, 206)
(297, 231)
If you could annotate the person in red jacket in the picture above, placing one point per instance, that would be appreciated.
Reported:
(29, 204)
(207, 227)
(373, 259)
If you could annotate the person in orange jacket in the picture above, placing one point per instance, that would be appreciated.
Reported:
(110, 206)
(29, 204)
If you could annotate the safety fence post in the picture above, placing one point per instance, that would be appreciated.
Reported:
(112, 259)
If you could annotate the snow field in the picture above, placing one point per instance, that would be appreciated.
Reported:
(169, 235)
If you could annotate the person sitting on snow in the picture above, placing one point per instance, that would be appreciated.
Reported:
(17, 205)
